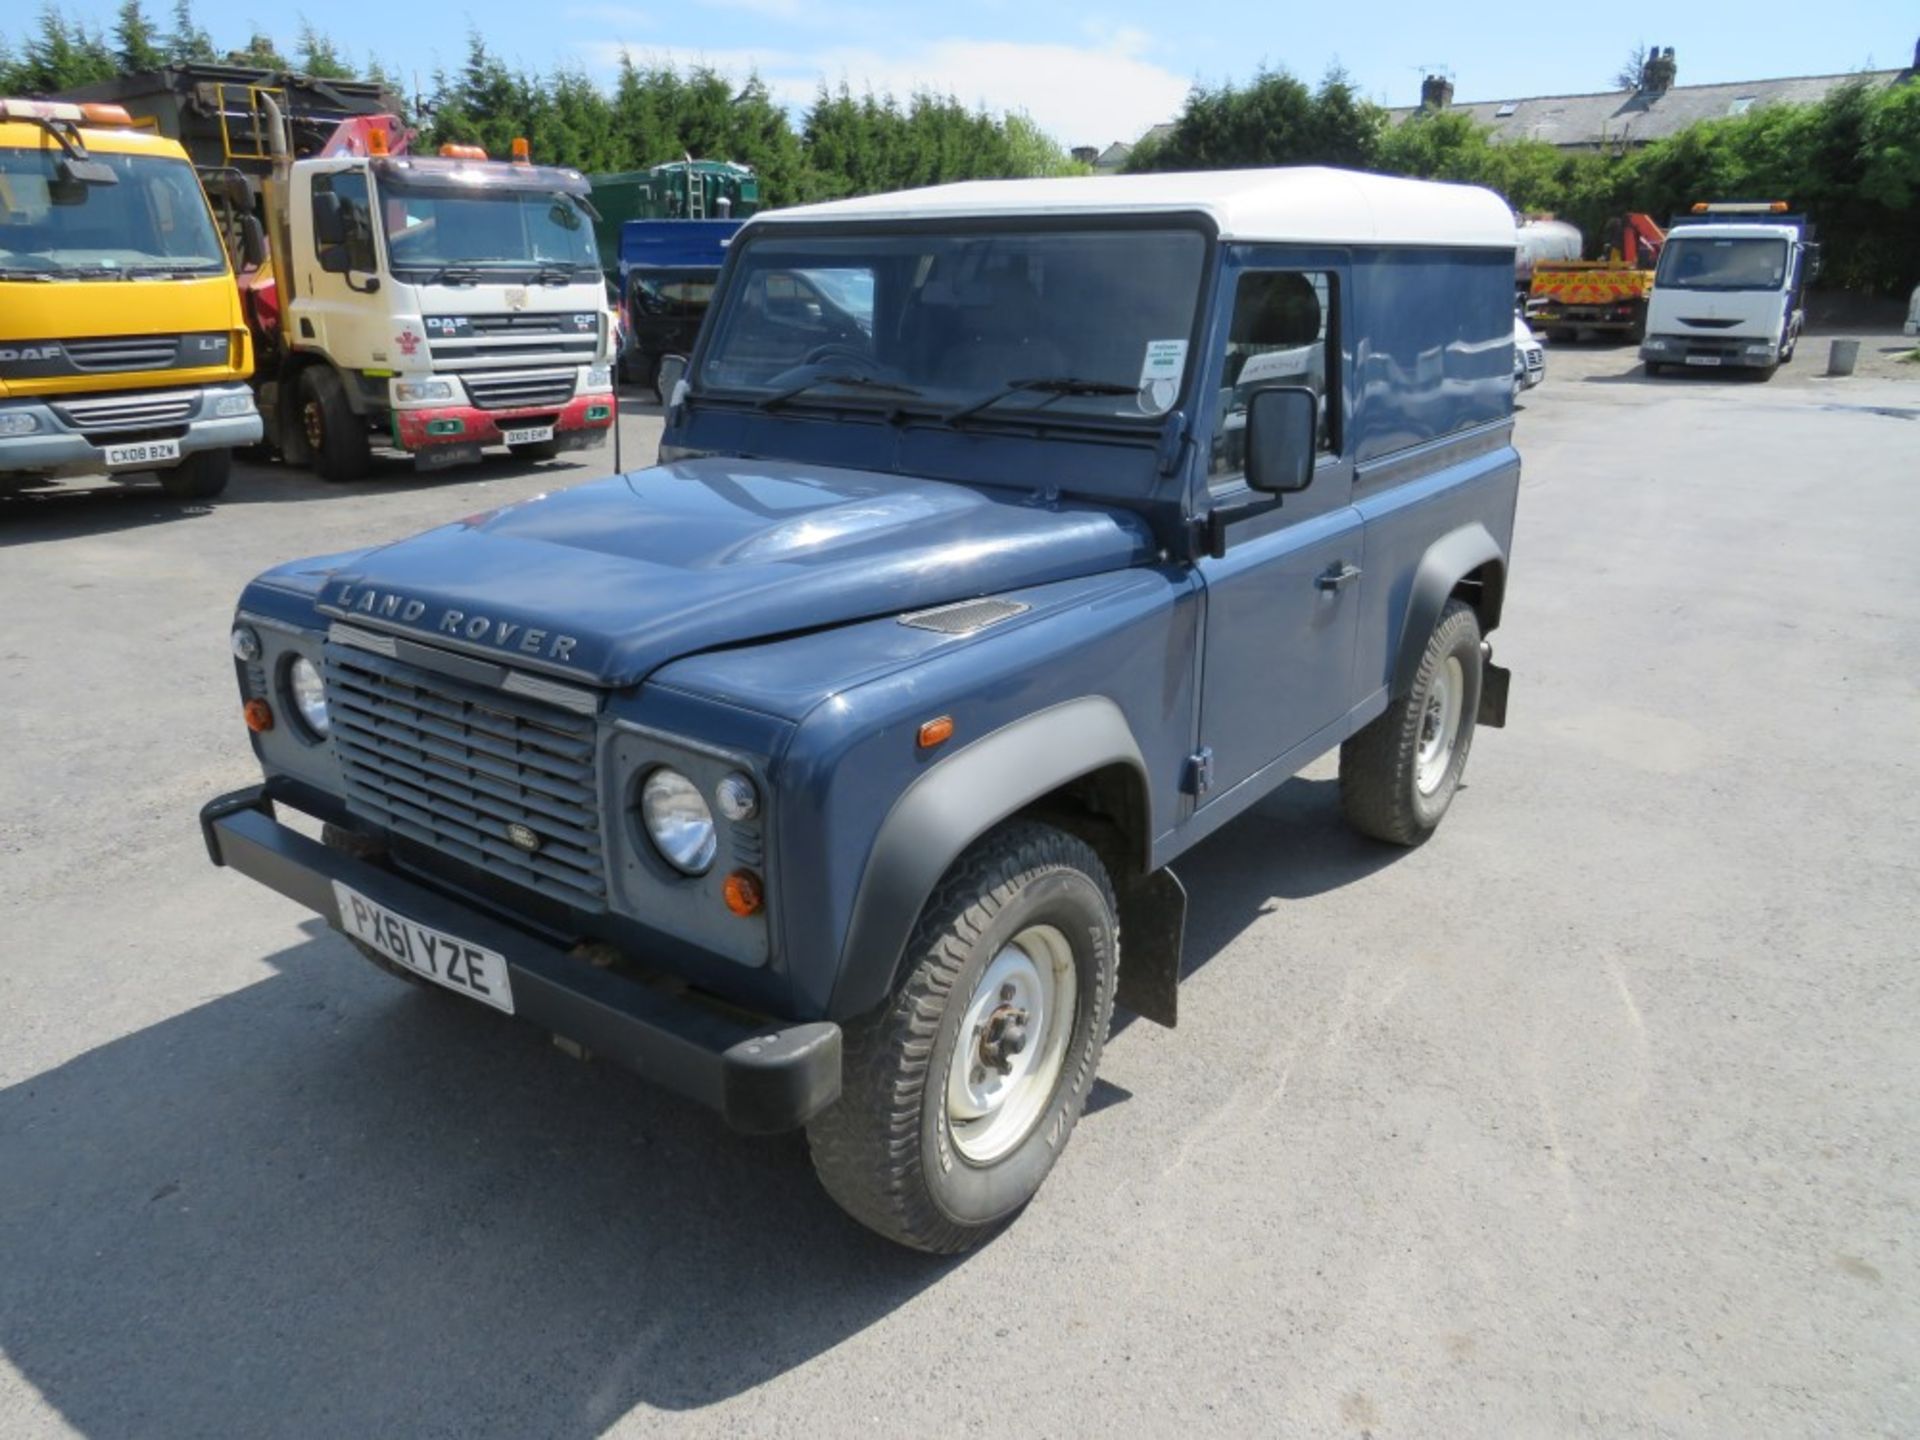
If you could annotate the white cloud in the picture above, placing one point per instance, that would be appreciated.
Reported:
(1079, 94)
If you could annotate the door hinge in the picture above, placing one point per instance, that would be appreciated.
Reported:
(1199, 771)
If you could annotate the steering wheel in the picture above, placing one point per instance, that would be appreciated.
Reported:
(838, 351)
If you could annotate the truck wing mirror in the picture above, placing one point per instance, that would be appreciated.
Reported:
(329, 226)
(1282, 426)
(74, 170)
(673, 369)
(253, 243)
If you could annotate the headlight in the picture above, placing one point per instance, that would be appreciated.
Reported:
(599, 377)
(678, 821)
(423, 390)
(245, 642)
(309, 695)
(1763, 348)
(226, 406)
(18, 422)
(1654, 342)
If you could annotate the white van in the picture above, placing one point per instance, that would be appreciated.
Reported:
(1728, 294)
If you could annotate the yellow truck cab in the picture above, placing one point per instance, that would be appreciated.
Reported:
(123, 348)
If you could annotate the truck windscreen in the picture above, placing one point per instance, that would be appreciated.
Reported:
(508, 233)
(153, 222)
(1699, 262)
(1081, 323)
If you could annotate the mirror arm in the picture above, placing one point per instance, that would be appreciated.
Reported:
(1213, 530)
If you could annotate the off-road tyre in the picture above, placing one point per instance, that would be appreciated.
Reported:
(360, 847)
(201, 476)
(1380, 766)
(884, 1150)
(536, 450)
(335, 437)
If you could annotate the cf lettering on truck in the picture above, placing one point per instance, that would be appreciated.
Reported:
(122, 347)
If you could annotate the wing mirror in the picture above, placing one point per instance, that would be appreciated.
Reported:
(253, 243)
(672, 374)
(1282, 436)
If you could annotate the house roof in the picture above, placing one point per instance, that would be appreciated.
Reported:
(1635, 117)
(1303, 204)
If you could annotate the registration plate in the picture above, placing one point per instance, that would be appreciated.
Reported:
(532, 434)
(146, 453)
(431, 954)
(1703, 359)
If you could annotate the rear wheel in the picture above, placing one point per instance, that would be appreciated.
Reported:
(335, 437)
(200, 476)
(961, 1091)
(1399, 774)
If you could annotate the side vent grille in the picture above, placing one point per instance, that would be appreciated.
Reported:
(965, 617)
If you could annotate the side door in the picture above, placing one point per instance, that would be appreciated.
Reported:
(334, 312)
(1283, 602)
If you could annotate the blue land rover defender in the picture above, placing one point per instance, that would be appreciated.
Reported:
(1007, 538)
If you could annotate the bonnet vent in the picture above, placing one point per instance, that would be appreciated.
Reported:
(965, 617)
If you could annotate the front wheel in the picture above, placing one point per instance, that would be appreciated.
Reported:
(960, 1092)
(1399, 774)
(334, 437)
(200, 476)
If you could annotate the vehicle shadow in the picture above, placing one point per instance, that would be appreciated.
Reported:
(328, 1204)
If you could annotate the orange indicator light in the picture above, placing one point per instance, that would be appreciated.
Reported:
(937, 731)
(259, 716)
(742, 893)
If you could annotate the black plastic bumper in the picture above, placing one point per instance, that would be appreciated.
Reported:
(762, 1079)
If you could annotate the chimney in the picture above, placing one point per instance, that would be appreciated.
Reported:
(1436, 92)
(1657, 75)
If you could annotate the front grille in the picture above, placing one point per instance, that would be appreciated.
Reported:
(455, 766)
(132, 352)
(126, 412)
(520, 391)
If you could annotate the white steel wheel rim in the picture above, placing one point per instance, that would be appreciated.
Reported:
(995, 1093)
(1440, 725)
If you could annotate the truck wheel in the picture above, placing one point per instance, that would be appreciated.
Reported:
(1399, 774)
(334, 435)
(360, 847)
(960, 1092)
(201, 476)
(537, 450)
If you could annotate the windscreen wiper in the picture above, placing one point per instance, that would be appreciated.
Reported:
(455, 272)
(858, 382)
(1052, 386)
(554, 274)
(21, 272)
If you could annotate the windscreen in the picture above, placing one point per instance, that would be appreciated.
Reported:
(1086, 324)
(507, 233)
(1697, 262)
(153, 222)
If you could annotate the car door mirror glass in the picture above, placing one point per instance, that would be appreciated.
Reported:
(1282, 426)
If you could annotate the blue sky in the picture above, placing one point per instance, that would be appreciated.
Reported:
(1094, 73)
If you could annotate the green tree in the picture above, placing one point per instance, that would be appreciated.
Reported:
(137, 45)
(187, 41)
(1273, 120)
(260, 54)
(318, 56)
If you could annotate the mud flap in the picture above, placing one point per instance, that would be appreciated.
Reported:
(1153, 924)
(1494, 680)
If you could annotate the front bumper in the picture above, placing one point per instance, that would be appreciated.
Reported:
(580, 424)
(1708, 354)
(762, 1079)
(66, 442)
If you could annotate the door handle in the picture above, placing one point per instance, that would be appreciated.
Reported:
(1336, 576)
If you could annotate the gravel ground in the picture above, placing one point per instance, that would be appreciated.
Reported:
(1597, 1115)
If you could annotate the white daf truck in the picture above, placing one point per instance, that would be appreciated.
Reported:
(436, 305)
(1729, 289)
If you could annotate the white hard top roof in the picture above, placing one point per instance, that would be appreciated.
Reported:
(1732, 230)
(1303, 205)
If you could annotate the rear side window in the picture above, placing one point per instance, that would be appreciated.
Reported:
(1282, 333)
(355, 214)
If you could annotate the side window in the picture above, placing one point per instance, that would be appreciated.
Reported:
(355, 213)
(1282, 333)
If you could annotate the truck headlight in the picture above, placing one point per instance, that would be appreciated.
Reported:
(18, 422)
(411, 390)
(309, 695)
(678, 821)
(227, 406)
(1654, 342)
(1762, 348)
(600, 377)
